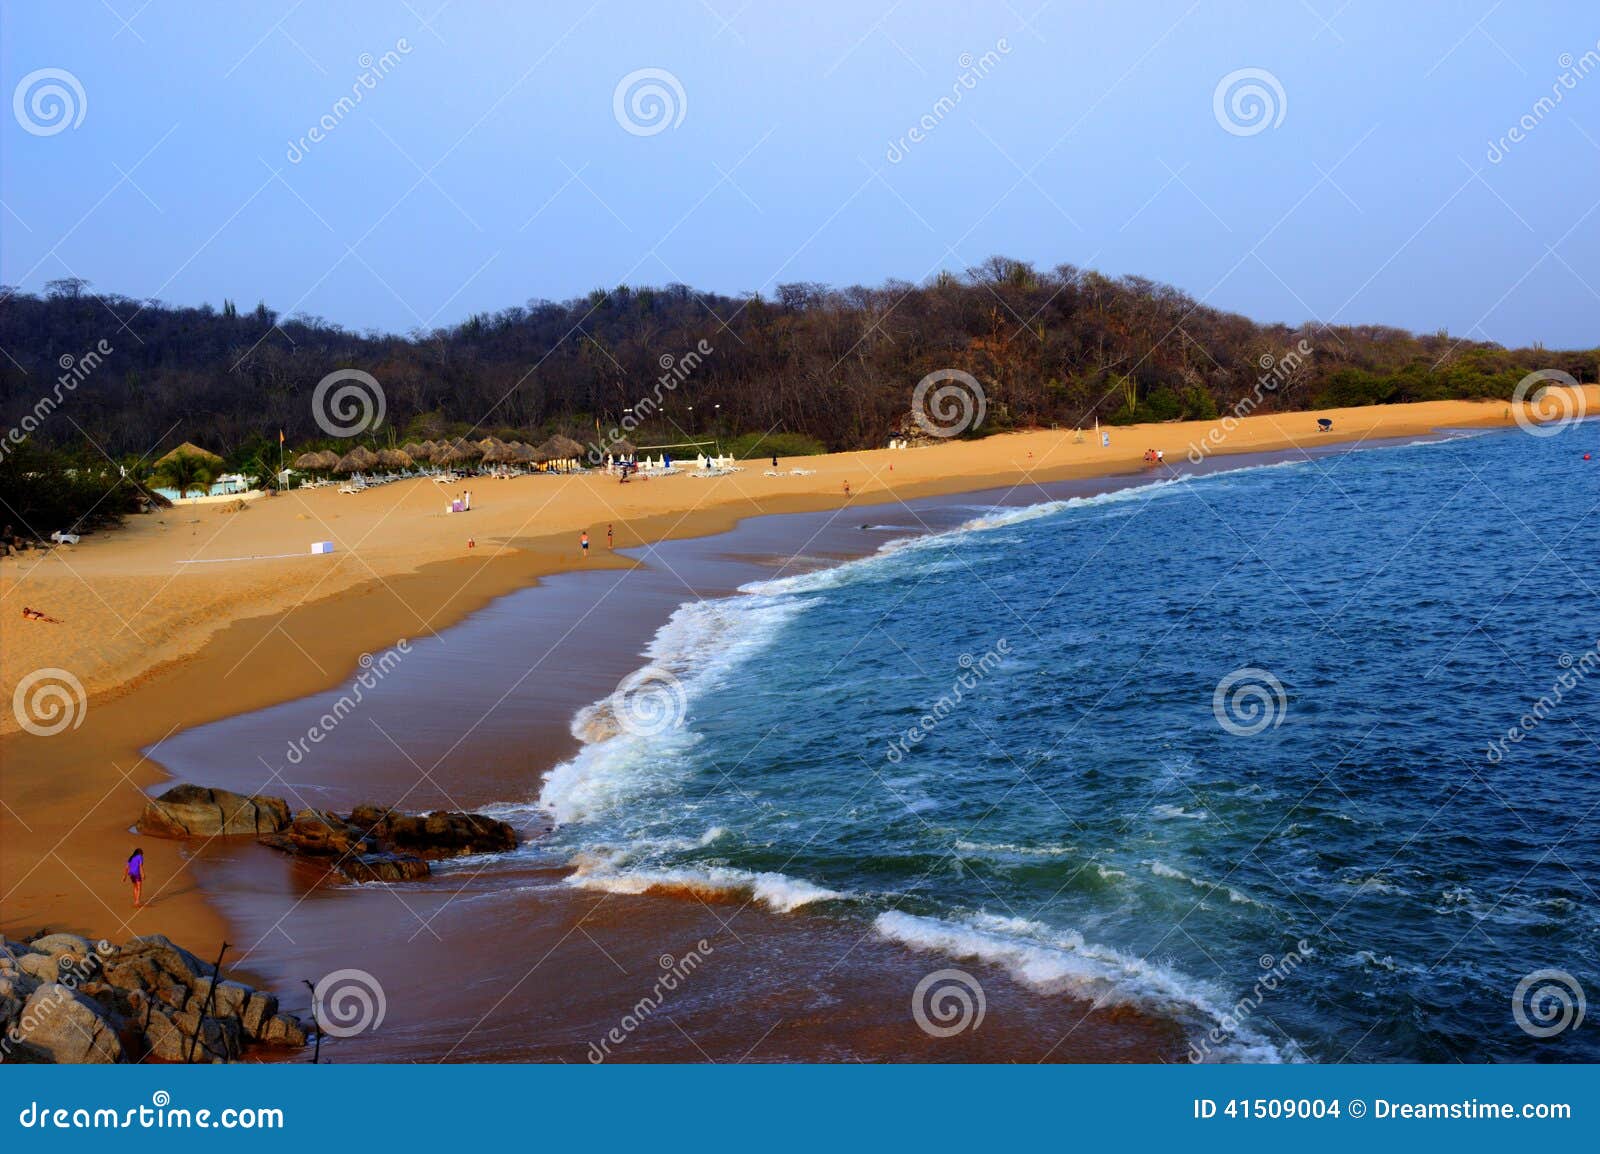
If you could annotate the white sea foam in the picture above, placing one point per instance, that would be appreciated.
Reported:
(698, 646)
(1163, 870)
(776, 891)
(1061, 962)
(1368, 959)
(978, 848)
(991, 517)
(1377, 884)
(1166, 812)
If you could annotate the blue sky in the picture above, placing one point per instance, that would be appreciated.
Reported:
(487, 167)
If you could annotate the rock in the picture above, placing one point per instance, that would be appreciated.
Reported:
(319, 834)
(220, 1038)
(11, 949)
(258, 1014)
(130, 1005)
(383, 867)
(54, 944)
(39, 967)
(68, 1027)
(153, 964)
(283, 1030)
(444, 834)
(157, 950)
(164, 1039)
(11, 1002)
(171, 1037)
(229, 1002)
(195, 811)
(17, 985)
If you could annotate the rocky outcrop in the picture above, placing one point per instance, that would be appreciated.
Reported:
(195, 811)
(435, 835)
(64, 999)
(317, 833)
(373, 844)
(383, 867)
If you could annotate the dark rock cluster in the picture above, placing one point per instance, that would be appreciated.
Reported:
(66, 999)
(372, 843)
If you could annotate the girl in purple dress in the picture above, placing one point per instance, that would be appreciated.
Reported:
(134, 872)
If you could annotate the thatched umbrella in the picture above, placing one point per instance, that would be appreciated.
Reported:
(189, 449)
(564, 448)
(449, 455)
(622, 447)
(470, 450)
(501, 454)
(310, 461)
(415, 450)
(395, 459)
(524, 454)
(356, 460)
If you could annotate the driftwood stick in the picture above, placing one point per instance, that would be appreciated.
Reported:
(205, 1008)
(316, 1026)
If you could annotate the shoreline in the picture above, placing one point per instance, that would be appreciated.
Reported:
(85, 779)
(266, 581)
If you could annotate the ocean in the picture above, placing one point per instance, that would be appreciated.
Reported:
(1302, 756)
(1283, 759)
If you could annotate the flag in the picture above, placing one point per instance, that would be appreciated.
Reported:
(280, 436)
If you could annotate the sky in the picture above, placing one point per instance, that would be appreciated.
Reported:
(1384, 164)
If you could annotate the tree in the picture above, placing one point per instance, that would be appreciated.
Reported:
(185, 472)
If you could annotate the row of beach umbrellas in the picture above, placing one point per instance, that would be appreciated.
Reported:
(490, 450)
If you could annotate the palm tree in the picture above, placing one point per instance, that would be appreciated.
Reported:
(185, 472)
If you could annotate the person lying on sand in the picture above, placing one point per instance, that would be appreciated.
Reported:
(35, 615)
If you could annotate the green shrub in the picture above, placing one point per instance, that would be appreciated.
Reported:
(755, 446)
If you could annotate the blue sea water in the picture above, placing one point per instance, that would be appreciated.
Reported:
(1231, 749)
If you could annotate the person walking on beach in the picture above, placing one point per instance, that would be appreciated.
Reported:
(847, 488)
(134, 872)
(610, 538)
(583, 542)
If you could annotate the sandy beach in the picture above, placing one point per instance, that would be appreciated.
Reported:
(190, 615)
